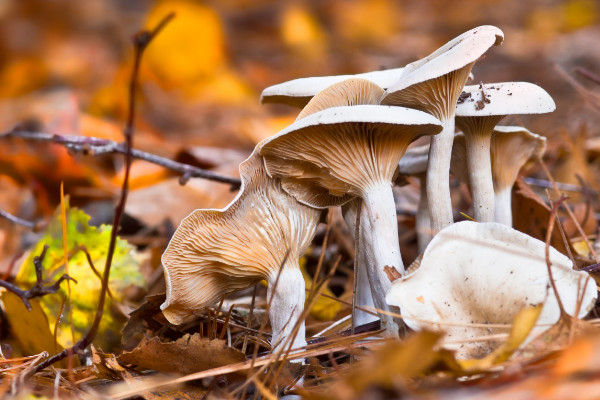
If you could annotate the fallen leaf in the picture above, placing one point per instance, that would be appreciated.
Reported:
(187, 355)
(84, 295)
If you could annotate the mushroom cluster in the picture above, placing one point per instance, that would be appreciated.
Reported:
(349, 141)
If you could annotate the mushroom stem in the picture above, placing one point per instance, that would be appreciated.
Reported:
(363, 287)
(503, 207)
(423, 222)
(286, 298)
(438, 178)
(380, 246)
(479, 164)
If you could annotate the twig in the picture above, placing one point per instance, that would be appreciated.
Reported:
(34, 226)
(140, 42)
(567, 208)
(587, 74)
(551, 221)
(38, 290)
(96, 146)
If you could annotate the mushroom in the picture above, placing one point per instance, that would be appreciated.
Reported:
(485, 273)
(414, 163)
(512, 148)
(351, 92)
(433, 84)
(334, 155)
(259, 235)
(481, 108)
(298, 92)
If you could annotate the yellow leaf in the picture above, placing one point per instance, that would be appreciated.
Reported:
(324, 309)
(191, 47)
(522, 324)
(30, 328)
(302, 33)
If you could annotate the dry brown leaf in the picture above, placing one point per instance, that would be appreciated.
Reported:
(531, 216)
(187, 355)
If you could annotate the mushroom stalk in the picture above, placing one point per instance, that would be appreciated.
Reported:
(379, 236)
(503, 206)
(479, 164)
(363, 296)
(438, 179)
(286, 297)
(423, 222)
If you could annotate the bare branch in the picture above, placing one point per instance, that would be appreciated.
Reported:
(95, 146)
(38, 290)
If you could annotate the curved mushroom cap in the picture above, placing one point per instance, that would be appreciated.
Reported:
(485, 273)
(298, 92)
(512, 148)
(507, 98)
(350, 92)
(217, 252)
(331, 156)
(448, 61)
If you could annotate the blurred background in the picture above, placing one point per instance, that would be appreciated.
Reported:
(65, 66)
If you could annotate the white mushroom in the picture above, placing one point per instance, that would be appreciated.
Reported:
(485, 273)
(334, 155)
(259, 235)
(513, 147)
(433, 84)
(414, 163)
(481, 107)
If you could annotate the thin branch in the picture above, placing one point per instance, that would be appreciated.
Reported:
(140, 42)
(34, 226)
(38, 290)
(96, 146)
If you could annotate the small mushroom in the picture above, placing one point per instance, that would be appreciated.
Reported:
(259, 235)
(414, 163)
(298, 92)
(334, 155)
(485, 273)
(477, 116)
(434, 84)
(512, 148)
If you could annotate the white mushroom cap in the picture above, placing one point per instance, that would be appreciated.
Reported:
(485, 273)
(216, 252)
(298, 92)
(506, 98)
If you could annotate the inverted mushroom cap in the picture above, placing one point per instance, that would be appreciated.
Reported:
(298, 92)
(451, 58)
(485, 273)
(331, 156)
(513, 147)
(505, 98)
(217, 252)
